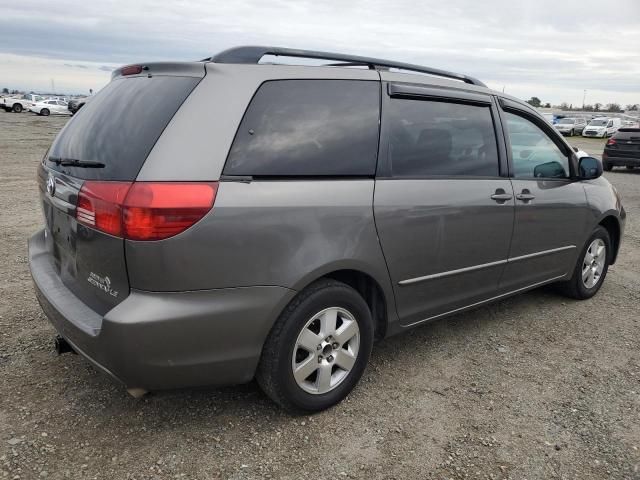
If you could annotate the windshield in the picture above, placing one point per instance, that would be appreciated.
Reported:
(567, 121)
(597, 123)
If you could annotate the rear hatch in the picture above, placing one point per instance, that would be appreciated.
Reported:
(105, 144)
(625, 143)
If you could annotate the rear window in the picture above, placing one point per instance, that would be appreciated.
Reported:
(120, 125)
(308, 128)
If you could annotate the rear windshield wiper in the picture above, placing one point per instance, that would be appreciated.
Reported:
(73, 162)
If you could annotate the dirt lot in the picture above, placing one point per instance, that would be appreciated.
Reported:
(533, 387)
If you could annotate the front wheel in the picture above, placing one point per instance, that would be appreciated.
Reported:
(318, 349)
(591, 267)
(45, 112)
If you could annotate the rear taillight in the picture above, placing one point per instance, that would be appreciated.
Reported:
(100, 205)
(611, 141)
(144, 210)
(153, 211)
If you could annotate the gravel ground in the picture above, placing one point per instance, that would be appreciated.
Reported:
(536, 386)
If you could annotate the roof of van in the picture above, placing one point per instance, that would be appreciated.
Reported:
(253, 55)
(389, 70)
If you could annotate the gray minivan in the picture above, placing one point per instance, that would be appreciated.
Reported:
(215, 221)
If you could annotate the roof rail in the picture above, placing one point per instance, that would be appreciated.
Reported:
(253, 54)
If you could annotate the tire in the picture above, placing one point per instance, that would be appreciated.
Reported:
(45, 112)
(630, 167)
(571, 133)
(607, 167)
(17, 108)
(311, 311)
(577, 287)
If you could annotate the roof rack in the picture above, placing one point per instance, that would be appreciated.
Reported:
(253, 54)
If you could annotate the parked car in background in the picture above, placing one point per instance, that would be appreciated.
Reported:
(76, 104)
(319, 208)
(20, 104)
(622, 149)
(569, 126)
(602, 127)
(50, 107)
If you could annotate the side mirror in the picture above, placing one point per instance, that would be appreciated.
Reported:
(549, 170)
(589, 168)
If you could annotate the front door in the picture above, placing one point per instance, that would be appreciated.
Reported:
(444, 213)
(550, 209)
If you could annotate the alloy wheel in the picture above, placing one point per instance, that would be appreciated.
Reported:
(594, 262)
(326, 350)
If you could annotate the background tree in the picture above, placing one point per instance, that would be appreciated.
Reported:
(564, 106)
(5, 90)
(534, 102)
(632, 108)
(613, 107)
(596, 107)
(547, 105)
(588, 108)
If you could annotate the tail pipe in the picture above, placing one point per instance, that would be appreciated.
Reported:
(62, 346)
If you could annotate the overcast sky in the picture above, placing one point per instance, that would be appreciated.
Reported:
(548, 48)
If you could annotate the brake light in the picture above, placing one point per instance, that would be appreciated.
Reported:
(144, 210)
(131, 70)
(153, 211)
(611, 141)
(100, 205)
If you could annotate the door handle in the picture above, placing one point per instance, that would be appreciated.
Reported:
(501, 196)
(525, 196)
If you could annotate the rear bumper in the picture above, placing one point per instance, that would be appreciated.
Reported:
(160, 340)
(621, 161)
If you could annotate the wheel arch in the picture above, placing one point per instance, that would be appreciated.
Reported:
(612, 225)
(379, 299)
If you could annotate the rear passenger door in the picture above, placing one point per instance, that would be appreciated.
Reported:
(551, 208)
(443, 203)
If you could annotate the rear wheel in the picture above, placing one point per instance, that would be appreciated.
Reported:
(17, 108)
(571, 133)
(591, 267)
(607, 166)
(318, 348)
(45, 112)
(630, 167)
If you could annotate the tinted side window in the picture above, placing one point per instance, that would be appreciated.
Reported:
(308, 127)
(440, 138)
(533, 153)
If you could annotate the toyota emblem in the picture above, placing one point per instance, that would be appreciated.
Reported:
(51, 185)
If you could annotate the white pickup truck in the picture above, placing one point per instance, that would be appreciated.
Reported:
(21, 103)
